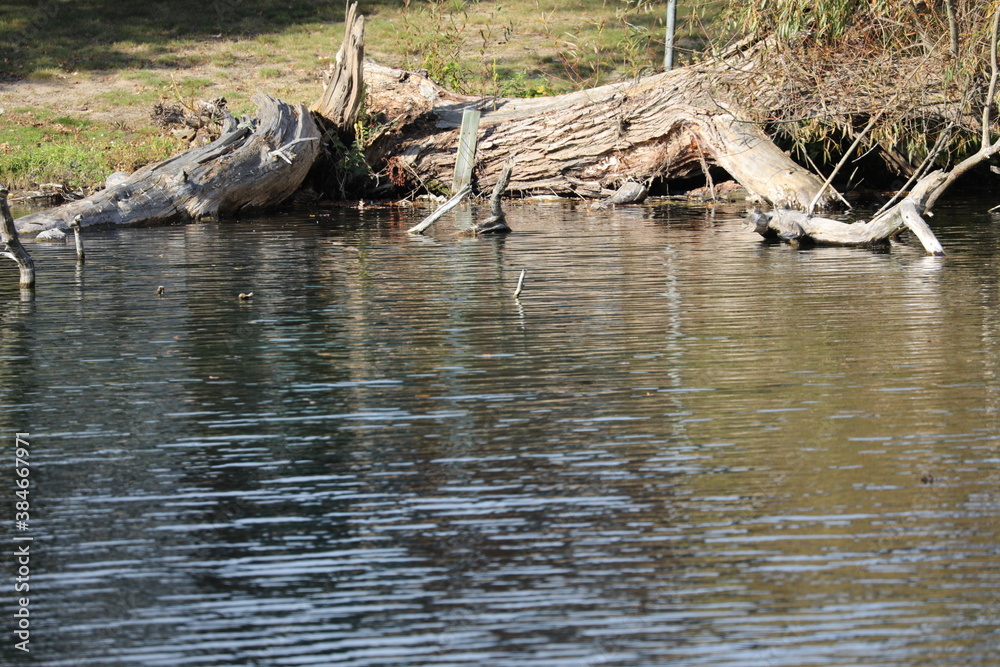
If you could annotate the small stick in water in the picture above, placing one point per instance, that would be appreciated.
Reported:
(520, 284)
(80, 256)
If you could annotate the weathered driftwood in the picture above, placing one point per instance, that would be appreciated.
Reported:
(444, 208)
(12, 244)
(343, 82)
(520, 283)
(588, 142)
(255, 163)
(497, 222)
(792, 225)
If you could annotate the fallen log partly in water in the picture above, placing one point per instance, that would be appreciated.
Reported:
(256, 162)
(665, 126)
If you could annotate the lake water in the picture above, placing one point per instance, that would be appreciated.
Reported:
(680, 446)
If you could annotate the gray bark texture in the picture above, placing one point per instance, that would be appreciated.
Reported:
(255, 163)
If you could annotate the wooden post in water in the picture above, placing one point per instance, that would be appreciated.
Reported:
(12, 244)
(80, 256)
(467, 140)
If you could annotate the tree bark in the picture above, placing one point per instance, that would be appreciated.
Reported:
(254, 164)
(586, 143)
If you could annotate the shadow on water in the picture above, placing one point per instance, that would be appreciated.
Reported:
(679, 446)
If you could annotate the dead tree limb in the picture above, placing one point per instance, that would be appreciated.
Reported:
(12, 244)
(444, 208)
(497, 222)
(792, 225)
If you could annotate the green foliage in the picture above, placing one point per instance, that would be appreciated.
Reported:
(508, 83)
(349, 167)
(434, 34)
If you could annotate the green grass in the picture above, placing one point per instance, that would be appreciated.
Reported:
(36, 147)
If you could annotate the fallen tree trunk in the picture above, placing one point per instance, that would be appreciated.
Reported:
(254, 163)
(666, 126)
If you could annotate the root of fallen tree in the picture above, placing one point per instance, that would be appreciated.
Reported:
(254, 164)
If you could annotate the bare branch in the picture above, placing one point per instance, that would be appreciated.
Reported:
(994, 75)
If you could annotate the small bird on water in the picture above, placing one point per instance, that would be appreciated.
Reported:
(159, 290)
(248, 295)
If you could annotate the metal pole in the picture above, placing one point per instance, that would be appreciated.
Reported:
(668, 54)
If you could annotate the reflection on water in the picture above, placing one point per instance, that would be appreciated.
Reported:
(679, 446)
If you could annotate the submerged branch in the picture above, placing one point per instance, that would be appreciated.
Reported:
(444, 208)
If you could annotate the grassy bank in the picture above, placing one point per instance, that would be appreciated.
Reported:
(80, 77)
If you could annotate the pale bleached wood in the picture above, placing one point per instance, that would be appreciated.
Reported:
(444, 208)
(793, 225)
(343, 82)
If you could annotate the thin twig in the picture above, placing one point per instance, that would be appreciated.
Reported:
(921, 170)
